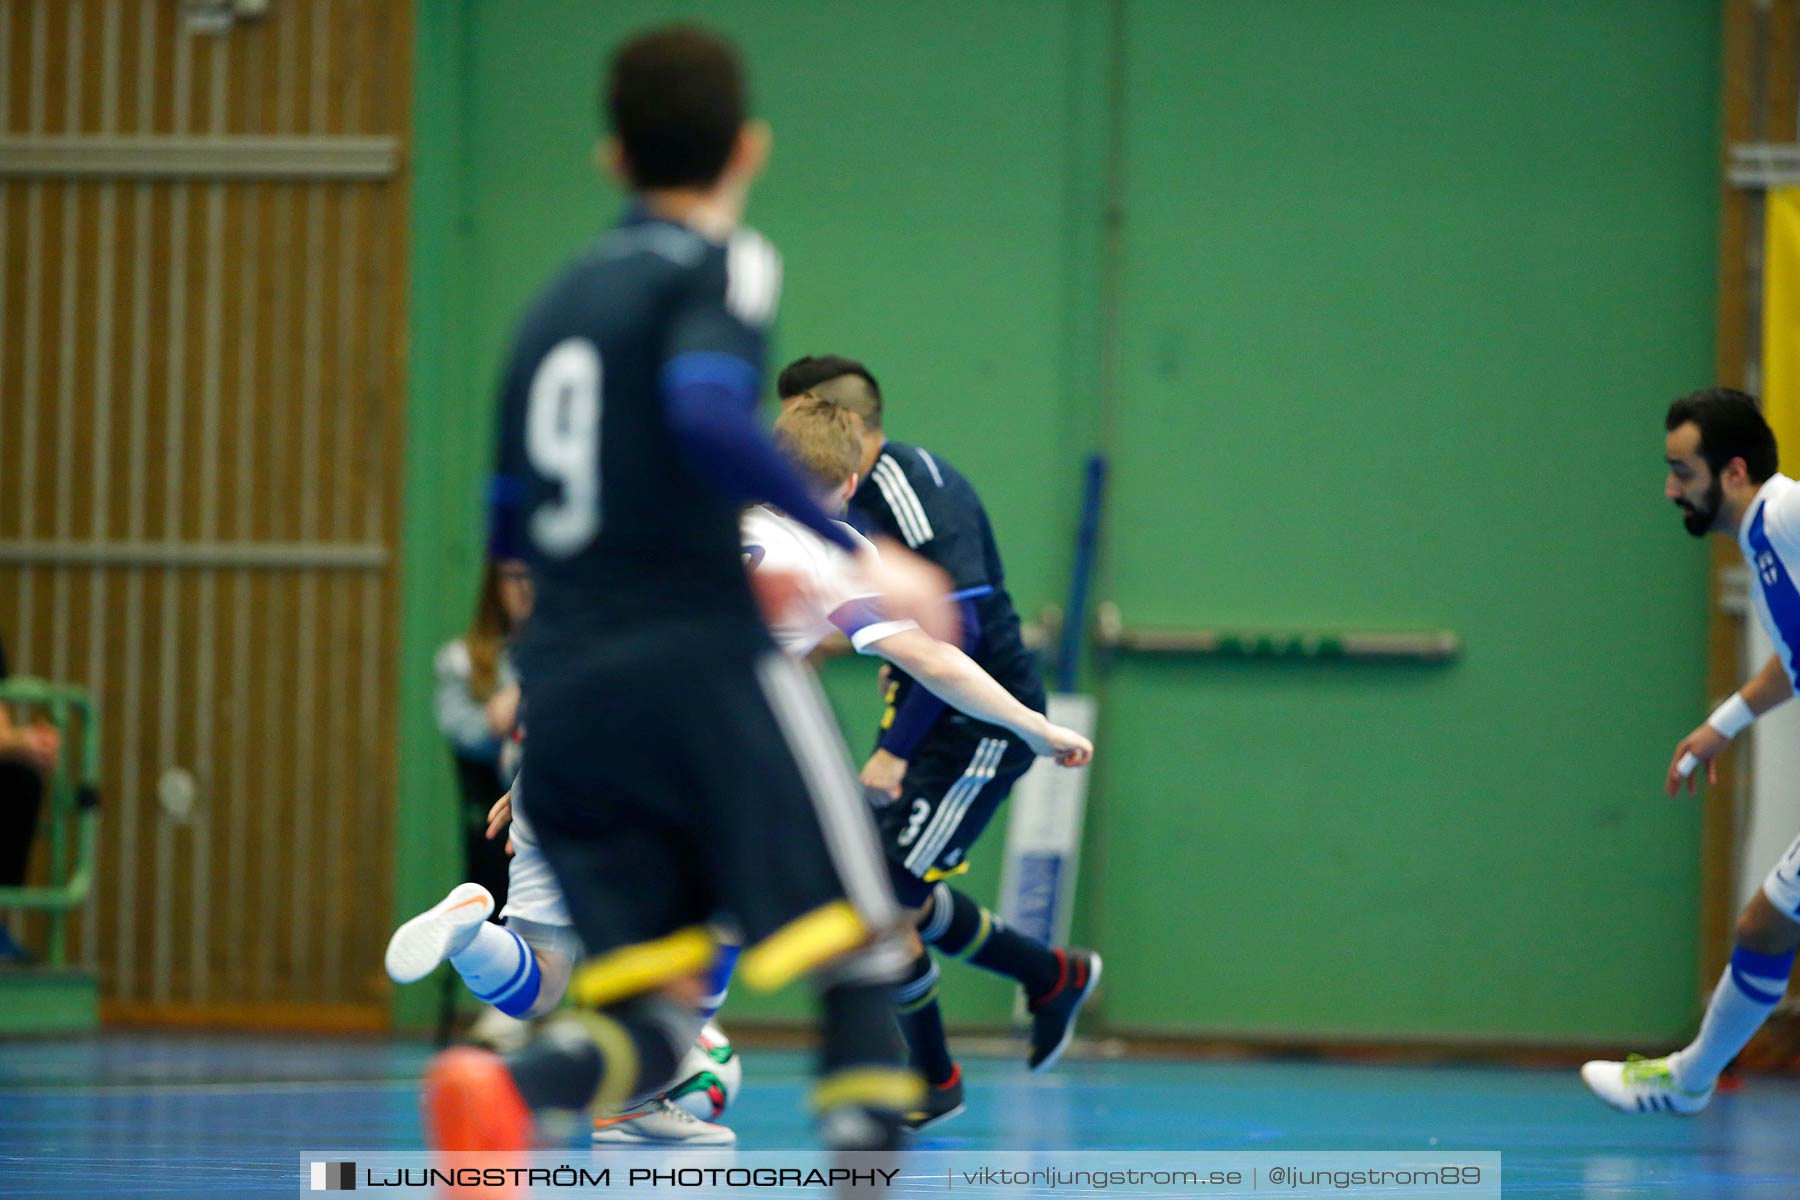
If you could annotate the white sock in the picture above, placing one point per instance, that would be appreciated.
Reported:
(1747, 993)
(494, 958)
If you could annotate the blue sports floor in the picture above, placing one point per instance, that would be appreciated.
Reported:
(136, 1115)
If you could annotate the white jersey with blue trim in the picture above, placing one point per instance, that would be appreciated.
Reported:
(835, 597)
(1769, 536)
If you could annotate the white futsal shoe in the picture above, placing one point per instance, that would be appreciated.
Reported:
(1642, 1084)
(657, 1122)
(418, 946)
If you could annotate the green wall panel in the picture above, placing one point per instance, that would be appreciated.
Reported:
(923, 221)
(1404, 286)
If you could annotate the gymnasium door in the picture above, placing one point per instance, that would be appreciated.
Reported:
(203, 229)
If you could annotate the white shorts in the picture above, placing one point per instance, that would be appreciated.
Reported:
(534, 902)
(1782, 887)
(531, 891)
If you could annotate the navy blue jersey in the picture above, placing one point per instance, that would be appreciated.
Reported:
(925, 503)
(624, 536)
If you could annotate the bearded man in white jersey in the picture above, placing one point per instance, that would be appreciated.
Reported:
(1722, 475)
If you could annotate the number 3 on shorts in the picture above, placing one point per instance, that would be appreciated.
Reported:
(562, 439)
(914, 823)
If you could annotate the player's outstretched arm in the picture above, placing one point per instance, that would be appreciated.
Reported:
(1766, 689)
(911, 588)
(960, 682)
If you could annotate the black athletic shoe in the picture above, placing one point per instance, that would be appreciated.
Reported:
(942, 1101)
(1053, 1016)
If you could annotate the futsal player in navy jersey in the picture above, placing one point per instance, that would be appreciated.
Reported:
(681, 769)
(939, 775)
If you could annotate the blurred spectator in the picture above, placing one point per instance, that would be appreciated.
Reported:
(27, 759)
(477, 705)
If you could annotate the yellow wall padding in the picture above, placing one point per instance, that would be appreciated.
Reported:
(1781, 324)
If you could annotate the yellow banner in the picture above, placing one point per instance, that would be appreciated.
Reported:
(1781, 324)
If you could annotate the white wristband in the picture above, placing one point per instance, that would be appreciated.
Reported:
(1732, 717)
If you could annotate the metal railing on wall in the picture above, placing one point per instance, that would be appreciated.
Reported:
(1113, 637)
(274, 556)
(213, 157)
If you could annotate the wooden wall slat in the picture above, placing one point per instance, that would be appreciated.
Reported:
(213, 361)
(55, 24)
(12, 84)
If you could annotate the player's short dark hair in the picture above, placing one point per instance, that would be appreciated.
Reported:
(1731, 426)
(675, 100)
(814, 372)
